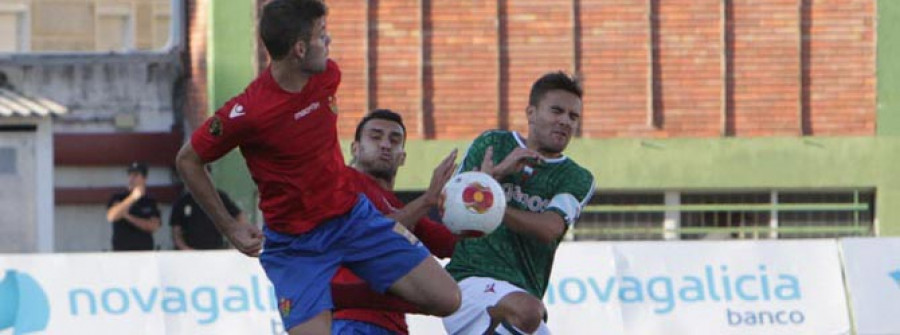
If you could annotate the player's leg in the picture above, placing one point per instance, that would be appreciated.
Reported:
(430, 287)
(519, 313)
(483, 313)
(387, 256)
(354, 327)
(319, 324)
(300, 268)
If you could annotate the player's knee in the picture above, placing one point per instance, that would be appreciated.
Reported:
(450, 304)
(528, 316)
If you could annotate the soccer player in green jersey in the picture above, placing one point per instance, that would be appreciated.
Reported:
(503, 275)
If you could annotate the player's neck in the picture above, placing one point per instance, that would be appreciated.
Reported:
(385, 182)
(288, 75)
(532, 144)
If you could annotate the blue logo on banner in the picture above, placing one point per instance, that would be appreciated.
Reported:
(896, 276)
(25, 307)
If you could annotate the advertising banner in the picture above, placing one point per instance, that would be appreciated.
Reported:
(777, 287)
(872, 267)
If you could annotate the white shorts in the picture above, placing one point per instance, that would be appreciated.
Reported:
(479, 293)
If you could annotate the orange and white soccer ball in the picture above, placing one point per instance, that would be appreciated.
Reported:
(472, 202)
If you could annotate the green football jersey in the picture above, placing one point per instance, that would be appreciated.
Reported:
(559, 185)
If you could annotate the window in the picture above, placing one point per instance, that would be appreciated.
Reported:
(716, 215)
(85, 25)
(13, 28)
(640, 217)
(162, 18)
(115, 28)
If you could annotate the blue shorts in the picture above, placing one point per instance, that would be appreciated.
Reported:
(301, 266)
(353, 327)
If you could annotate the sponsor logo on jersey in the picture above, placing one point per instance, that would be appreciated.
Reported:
(304, 112)
(236, 111)
(532, 202)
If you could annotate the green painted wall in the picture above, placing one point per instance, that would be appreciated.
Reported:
(230, 67)
(634, 164)
(724, 164)
(888, 68)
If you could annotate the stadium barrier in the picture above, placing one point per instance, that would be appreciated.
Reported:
(709, 287)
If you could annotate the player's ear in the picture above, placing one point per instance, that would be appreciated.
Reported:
(402, 159)
(299, 49)
(354, 149)
(531, 113)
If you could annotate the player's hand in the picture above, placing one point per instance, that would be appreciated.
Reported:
(246, 238)
(514, 162)
(442, 173)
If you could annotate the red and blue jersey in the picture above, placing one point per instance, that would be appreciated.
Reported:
(290, 143)
(435, 236)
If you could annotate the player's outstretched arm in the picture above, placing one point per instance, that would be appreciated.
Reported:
(410, 214)
(244, 236)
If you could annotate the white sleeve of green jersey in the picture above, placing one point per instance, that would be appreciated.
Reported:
(570, 204)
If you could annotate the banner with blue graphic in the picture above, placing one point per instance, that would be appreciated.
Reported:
(729, 287)
(872, 267)
(136, 293)
(690, 288)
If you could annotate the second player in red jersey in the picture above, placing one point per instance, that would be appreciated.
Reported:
(378, 151)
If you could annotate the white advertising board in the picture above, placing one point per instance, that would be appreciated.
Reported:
(872, 267)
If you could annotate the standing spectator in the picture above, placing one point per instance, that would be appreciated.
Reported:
(193, 229)
(133, 213)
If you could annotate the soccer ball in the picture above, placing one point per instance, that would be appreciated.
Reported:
(472, 202)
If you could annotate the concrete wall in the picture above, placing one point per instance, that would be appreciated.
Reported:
(97, 88)
(84, 229)
(128, 93)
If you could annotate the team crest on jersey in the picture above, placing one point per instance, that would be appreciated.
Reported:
(332, 103)
(215, 126)
(284, 306)
(478, 198)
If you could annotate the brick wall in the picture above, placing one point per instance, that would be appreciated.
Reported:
(765, 99)
(651, 68)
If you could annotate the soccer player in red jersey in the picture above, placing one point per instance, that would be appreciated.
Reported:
(378, 151)
(285, 124)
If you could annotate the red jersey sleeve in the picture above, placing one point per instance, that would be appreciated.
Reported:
(436, 237)
(223, 131)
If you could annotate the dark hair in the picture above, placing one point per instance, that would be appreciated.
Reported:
(554, 81)
(284, 22)
(379, 114)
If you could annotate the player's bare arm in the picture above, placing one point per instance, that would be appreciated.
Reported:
(410, 214)
(244, 236)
